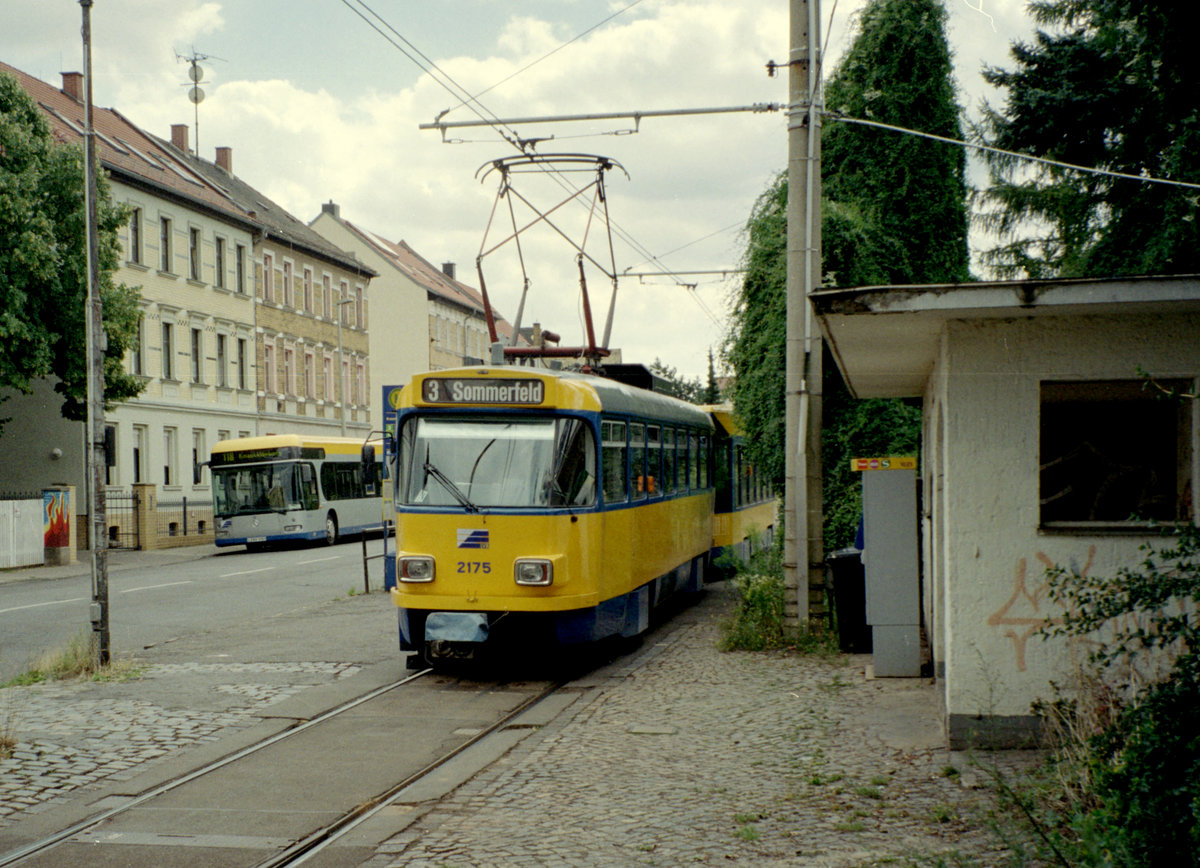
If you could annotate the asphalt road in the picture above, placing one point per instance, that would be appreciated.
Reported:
(150, 606)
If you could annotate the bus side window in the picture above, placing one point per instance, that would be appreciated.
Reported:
(308, 488)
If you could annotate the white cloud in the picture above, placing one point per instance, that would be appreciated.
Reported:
(333, 113)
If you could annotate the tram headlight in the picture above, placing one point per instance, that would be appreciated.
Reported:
(415, 568)
(533, 571)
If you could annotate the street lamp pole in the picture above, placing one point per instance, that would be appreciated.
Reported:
(341, 377)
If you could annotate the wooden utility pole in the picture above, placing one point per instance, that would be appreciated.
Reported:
(95, 343)
(803, 554)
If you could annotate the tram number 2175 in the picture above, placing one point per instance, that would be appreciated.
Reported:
(474, 567)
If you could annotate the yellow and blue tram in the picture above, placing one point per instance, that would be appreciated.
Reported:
(547, 506)
(746, 506)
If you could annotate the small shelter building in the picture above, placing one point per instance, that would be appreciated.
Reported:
(1048, 439)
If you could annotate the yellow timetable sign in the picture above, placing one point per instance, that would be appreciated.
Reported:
(891, 462)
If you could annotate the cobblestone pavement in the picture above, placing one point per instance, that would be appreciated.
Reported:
(72, 734)
(703, 757)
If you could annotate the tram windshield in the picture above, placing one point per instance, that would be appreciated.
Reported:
(477, 462)
(251, 488)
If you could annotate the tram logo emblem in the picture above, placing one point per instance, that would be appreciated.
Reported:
(472, 539)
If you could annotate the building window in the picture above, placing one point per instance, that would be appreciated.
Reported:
(139, 453)
(194, 253)
(170, 477)
(222, 362)
(135, 236)
(241, 363)
(164, 244)
(110, 436)
(360, 318)
(138, 358)
(360, 384)
(168, 351)
(219, 276)
(268, 278)
(308, 290)
(240, 264)
(1114, 452)
(327, 370)
(326, 296)
(309, 376)
(288, 297)
(288, 386)
(269, 368)
(197, 356)
(343, 295)
(198, 455)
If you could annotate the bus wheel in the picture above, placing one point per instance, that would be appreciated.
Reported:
(331, 529)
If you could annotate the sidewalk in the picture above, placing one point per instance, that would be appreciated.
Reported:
(685, 754)
(676, 753)
(118, 559)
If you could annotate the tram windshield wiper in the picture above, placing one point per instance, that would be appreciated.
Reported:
(450, 486)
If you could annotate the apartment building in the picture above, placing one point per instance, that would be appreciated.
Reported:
(434, 321)
(311, 315)
(190, 249)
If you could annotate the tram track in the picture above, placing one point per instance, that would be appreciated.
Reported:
(119, 824)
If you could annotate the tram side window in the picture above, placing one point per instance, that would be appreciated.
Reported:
(668, 456)
(681, 458)
(612, 459)
(637, 459)
(653, 460)
(693, 460)
(703, 462)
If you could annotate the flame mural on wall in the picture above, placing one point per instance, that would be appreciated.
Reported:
(56, 519)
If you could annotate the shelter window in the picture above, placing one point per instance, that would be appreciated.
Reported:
(1114, 452)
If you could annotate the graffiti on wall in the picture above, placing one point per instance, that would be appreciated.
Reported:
(56, 519)
(1023, 614)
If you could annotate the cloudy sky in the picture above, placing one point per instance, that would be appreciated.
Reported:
(317, 105)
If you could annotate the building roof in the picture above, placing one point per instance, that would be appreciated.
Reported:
(129, 154)
(886, 338)
(423, 273)
(274, 221)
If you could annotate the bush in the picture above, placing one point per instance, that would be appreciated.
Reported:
(1139, 773)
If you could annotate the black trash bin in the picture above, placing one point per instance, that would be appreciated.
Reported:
(850, 600)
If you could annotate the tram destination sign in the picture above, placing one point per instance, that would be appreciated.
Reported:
(457, 390)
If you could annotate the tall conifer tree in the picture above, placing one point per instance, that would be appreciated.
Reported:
(894, 211)
(1111, 85)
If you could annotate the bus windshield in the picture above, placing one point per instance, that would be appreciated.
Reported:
(251, 488)
(476, 462)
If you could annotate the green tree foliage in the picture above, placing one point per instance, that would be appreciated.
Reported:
(894, 212)
(678, 385)
(897, 204)
(43, 271)
(1108, 84)
(756, 346)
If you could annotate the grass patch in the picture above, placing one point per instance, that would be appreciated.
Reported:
(868, 792)
(77, 660)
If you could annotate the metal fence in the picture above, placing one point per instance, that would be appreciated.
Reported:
(186, 517)
(121, 511)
